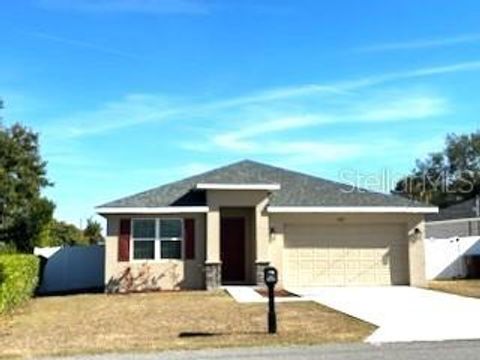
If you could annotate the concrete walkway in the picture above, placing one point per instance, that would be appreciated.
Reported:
(403, 313)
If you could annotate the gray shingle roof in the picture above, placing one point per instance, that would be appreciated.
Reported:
(463, 210)
(297, 189)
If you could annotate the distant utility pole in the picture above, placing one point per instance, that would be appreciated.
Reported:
(477, 206)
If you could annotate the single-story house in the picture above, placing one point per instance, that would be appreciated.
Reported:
(458, 220)
(226, 225)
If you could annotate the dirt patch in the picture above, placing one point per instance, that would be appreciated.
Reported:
(281, 293)
(469, 288)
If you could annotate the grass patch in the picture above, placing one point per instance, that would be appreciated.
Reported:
(97, 323)
(470, 287)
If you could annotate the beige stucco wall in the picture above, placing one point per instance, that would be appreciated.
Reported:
(416, 251)
(409, 221)
(166, 274)
(262, 246)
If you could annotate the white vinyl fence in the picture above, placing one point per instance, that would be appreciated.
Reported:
(444, 258)
(72, 268)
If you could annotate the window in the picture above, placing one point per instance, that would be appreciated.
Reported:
(171, 239)
(157, 239)
(144, 249)
(144, 239)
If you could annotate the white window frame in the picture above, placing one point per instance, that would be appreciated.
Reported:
(181, 239)
(157, 240)
(133, 239)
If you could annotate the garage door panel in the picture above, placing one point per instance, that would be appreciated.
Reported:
(322, 265)
(336, 254)
(339, 255)
(321, 255)
(353, 266)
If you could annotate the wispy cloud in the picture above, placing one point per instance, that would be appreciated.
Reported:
(277, 94)
(80, 44)
(195, 7)
(132, 110)
(140, 109)
(276, 136)
(438, 70)
(380, 79)
(318, 151)
(406, 108)
(235, 139)
(343, 87)
(241, 139)
(414, 106)
(422, 43)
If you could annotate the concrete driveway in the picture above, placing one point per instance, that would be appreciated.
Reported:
(403, 313)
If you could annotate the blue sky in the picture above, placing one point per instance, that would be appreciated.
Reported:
(130, 94)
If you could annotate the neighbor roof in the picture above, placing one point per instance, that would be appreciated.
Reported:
(463, 210)
(296, 189)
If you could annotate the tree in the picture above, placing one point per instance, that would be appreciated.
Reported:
(24, 213)
(446, 177)
(93, 232)
(27, 229)
(60, 233)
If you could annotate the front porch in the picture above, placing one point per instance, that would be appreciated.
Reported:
(237, 246)
(237, 235)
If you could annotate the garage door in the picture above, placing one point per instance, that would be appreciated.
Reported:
(342, 255)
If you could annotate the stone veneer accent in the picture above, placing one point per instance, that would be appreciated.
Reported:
(260, 266)
(213, 275)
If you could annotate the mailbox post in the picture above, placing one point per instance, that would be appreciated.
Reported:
(270, 275)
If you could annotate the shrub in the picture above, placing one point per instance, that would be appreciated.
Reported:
(18, 279)
(7, 248)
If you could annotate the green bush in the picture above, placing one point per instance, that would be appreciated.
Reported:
(18, 279)
(7, 248)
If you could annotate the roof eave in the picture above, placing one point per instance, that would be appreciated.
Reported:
(353, 209)
(151, 210)
(239, 186)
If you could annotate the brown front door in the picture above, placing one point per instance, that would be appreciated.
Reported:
(232, 243)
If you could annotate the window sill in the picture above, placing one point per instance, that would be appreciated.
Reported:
(154, 261)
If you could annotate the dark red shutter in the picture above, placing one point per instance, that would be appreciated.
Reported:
(124, 240)
(189, 225)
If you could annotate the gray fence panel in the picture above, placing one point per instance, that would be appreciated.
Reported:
(73, 269)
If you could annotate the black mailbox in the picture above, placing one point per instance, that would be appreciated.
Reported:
(270, 276)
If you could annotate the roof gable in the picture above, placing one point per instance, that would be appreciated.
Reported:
(296, 189)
